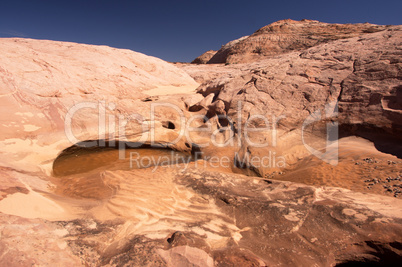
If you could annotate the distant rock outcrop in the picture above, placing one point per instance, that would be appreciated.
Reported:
(204, 58)
(285, 36)
(220, 56)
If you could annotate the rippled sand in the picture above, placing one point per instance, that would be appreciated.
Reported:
(147, 199)
(141, 190)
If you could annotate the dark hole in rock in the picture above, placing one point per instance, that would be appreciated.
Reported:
(168, 125)
(175, 236)
(307, 96)
(242, 91)
(216, 95)
(196, 152)
(151, 98)
(223, 120)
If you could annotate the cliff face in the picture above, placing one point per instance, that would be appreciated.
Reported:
(287, 35)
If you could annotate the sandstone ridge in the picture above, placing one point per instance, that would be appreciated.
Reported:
(287, 35)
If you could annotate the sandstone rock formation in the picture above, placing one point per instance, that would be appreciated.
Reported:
(69, 197)
(219, 57)
(43, 80)
(361, 75)
(204, 58)
(287, 35)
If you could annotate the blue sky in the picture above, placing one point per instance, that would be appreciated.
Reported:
(175, 30)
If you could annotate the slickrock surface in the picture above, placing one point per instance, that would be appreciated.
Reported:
(41, 81)
(317, 203)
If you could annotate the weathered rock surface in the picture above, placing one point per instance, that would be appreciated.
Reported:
(276, 221)
(278, 224)
(360, 75)
(43, 85)
(204, 58)
(194, 213)
(42, 81)
(221, 54)
(287, 35)
(59, 68)
(28, 242)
